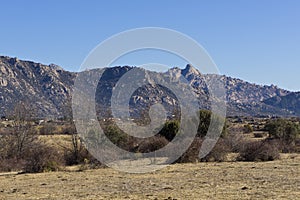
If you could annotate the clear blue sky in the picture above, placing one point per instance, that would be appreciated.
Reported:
(255, 40)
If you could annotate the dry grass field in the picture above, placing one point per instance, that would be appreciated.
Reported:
(229, 180)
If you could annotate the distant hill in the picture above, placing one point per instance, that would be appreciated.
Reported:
(48, 89)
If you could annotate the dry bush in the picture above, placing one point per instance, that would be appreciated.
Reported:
(152, 144)
(192, 154)
(218, 153)
(47, 129)
(235, 142)
(68, 129)
(287, 147)
(77, 153)
(21, 135)
(80, 157)
(259, 151)
(11, 164)
(25, 152)
(42, 158)
(38, 158)
(149, 146)
(55, 128)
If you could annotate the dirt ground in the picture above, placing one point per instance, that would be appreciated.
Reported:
(228, 180)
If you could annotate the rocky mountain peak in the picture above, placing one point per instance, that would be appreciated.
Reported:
(56, 67)
(190, 70)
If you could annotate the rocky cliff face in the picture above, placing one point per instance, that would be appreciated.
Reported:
(48, 89)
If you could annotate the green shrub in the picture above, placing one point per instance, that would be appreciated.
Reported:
(116, 135)
(283, 129)
(205, 122)
(170, 130)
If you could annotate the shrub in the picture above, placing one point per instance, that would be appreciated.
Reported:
(192, 154)
(77, 153)
(116, 135)
(47, 129)
(285, 147)
(205, 117)
(286, 133)
(283, 129)
(205, 122)
(11, 164)
(235, 142)
(68, 129)
(259, 151)
(218, 153)
(152, 144)
(41, 158)
(21, 135)
(170, 130)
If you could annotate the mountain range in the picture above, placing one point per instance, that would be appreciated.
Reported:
(48, 90)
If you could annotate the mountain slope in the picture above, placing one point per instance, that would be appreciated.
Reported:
(48, 89)
(245, 98)
(289, 102)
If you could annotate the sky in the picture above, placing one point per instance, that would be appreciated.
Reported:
(257, 40)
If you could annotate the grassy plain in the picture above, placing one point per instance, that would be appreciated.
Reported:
(229, 180)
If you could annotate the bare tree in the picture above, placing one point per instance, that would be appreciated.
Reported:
(22, 135)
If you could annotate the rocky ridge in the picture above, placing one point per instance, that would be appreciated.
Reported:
(48, 89)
